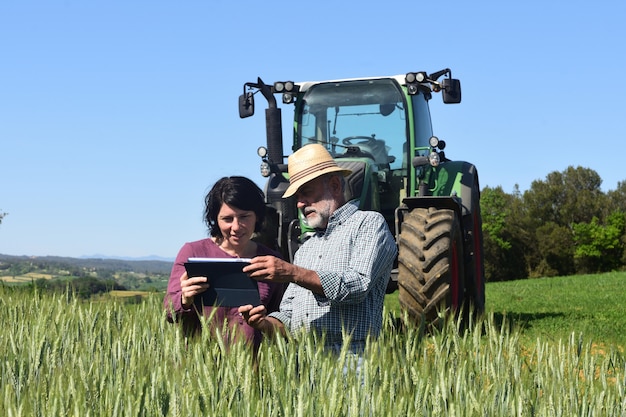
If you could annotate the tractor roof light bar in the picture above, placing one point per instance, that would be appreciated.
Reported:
(288, 90)
(413, 79)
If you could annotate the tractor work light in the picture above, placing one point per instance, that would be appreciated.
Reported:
(433, 141)
(285, 87)
(288, 89)
(433, 158)
(265, 169)
(415, 77)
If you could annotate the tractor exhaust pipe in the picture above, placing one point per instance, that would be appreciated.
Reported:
(273, 124)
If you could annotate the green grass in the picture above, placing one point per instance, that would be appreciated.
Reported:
(590, 306)
(62, 357)
(552, 308)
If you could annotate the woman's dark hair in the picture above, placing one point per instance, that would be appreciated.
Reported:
(238, 192)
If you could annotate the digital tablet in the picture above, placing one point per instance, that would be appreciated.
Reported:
(229, 286)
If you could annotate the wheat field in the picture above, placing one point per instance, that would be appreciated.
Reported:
(65, 357)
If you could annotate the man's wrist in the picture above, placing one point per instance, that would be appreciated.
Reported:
(270, 325)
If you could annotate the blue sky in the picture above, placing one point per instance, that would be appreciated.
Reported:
(116, 117)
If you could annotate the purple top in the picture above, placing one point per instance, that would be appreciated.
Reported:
(271, 293)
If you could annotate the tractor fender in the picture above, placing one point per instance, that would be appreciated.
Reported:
(452, 203)
(411, 203)
(458, 194)
(459, 179)
(469, 186)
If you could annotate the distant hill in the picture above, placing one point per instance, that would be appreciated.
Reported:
(128, 258)
(114, 265)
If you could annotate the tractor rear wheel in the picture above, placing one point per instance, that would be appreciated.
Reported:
(430, 264)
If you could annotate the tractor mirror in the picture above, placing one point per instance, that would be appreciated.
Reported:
(451, 90)
(246, 105)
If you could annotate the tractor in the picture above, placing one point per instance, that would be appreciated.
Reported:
(380, 128)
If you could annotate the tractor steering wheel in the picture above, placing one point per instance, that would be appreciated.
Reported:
(367, 140)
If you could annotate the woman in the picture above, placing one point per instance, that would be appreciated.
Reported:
(234, 210)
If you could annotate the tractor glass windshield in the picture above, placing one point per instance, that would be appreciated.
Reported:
(364, 116)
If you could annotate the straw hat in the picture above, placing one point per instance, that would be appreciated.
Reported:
(308, 163)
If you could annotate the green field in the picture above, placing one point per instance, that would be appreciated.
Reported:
(546, 347)
(549, 309)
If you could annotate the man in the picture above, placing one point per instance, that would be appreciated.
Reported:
(338, 278)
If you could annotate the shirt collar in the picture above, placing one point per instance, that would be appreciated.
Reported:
(340, 215)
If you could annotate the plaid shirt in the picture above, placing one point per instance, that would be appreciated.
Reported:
(353, 258)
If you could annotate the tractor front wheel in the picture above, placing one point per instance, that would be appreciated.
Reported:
(430, 264)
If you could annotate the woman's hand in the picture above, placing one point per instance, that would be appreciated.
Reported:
(190, 287)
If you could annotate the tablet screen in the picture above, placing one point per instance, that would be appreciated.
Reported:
(229, 286)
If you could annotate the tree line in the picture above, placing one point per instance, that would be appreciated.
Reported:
(83, 287)
(563, 225)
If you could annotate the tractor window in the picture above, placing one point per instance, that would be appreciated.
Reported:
(366, 117)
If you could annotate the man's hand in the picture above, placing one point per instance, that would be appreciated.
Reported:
(257, 317)
(190, 287)
(254, 316)
(273, 269)
(270, 268)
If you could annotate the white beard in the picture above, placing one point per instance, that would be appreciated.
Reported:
(319, 220)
